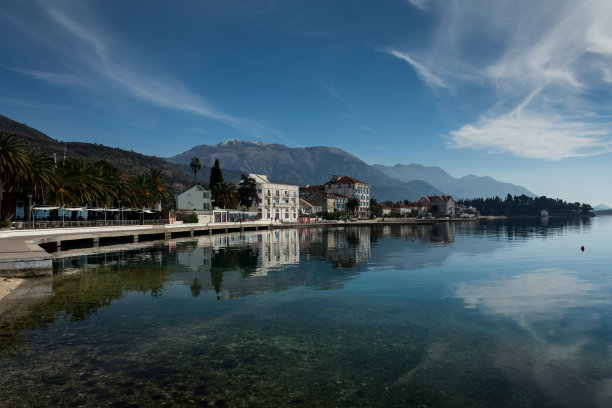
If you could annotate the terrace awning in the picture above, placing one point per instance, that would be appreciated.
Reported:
(74, 208)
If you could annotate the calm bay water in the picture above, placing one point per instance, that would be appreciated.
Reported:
(507, 314)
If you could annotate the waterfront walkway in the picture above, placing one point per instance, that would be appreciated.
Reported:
(24, 252)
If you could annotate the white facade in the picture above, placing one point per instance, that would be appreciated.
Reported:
(194, 199)
(350, 187)
(275, 201)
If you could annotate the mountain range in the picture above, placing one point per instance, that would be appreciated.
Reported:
(469, 186)
(127, 161)
(282, 164)
(316, 165)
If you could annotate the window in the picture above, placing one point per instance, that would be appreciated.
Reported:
(286, 201)
(287, 214)
(277, 214)
(259, 190)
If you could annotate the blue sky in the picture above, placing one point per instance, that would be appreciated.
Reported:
(517, 90)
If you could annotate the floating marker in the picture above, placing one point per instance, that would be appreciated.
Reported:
(582, 248)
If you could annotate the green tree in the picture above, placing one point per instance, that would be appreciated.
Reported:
(196, 166)
(216, 176)
(14, 164)
(225, 194)
(353, 205)
(375, 208)
(247, 192)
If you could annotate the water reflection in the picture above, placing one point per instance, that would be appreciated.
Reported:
(302, 317)
(568, 319)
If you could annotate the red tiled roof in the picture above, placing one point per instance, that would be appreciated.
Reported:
(443, 197)
(383, 205)
(346, 180)
(312, 188)
(307, 202)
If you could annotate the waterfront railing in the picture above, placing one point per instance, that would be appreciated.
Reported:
(44, 224)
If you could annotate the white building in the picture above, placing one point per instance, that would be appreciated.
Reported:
(275, 201)
(195, 199)
(350, 187)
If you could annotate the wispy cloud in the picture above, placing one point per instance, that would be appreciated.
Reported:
(425, 73)
(96, 58)
(546, 62)
(334, 92)
(420, 4)
(533, 136)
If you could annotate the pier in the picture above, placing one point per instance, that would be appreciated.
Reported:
(29, 252)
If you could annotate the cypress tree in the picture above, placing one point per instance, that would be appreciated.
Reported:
(216, 176)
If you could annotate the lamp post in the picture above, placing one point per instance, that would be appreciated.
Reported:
(120, 213)
(29, 219)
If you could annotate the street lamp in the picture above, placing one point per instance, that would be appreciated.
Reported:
(29, 215)
(120, 213)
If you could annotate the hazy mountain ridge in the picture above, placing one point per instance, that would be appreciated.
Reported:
(129, 161)
(309, 165)
(303, 165)
(469, 186)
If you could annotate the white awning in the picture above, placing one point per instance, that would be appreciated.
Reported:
(74, 209)
(44, 208)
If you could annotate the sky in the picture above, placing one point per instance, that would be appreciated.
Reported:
(512, 89)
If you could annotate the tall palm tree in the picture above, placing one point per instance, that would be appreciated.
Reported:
(247, 192)
(195, 167)
(157, 186)
(38, 179)
(113, 184)
(86, 185)
(13, 163)
(225, 194)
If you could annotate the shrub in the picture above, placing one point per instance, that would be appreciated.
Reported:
(187, 218)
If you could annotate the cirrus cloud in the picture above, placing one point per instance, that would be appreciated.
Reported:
(545, 62)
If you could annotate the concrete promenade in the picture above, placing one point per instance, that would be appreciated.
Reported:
(22, 253)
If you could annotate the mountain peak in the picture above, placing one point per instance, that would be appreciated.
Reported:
(237, 142)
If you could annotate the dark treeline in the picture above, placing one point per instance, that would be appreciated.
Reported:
(525, 206)
(29, 175)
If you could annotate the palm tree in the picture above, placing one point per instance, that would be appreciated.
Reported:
(85, 183)
(225, 194)
(247, 192)
(39, 177)
(13, 163)
(195, 167)
(157, 186)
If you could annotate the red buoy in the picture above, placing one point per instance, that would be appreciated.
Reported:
(582, 248)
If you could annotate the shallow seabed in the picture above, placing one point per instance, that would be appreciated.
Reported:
(508, 314)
